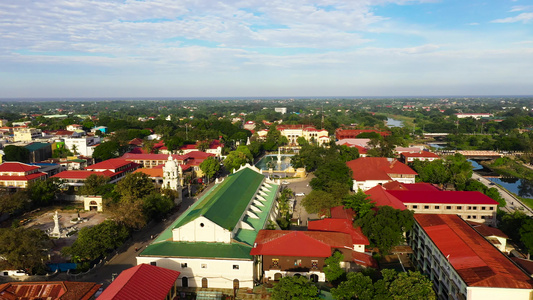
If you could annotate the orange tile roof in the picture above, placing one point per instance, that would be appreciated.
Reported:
(476, 261)
(153, 173)
(377, 168)
(299, 243)
(110, 164)
(63, 290)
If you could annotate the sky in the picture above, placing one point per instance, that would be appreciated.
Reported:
(274, 48)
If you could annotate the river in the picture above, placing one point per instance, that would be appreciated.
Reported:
(521, 187)
(394, 123)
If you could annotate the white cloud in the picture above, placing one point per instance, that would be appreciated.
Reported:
(523, 17)
(473, 24)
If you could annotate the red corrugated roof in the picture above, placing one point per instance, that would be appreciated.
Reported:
(477, 262)
(9, 166)
(443, 197)
(23, 178)
(299, 243)
(364, 259)
(110, 164)
(143, 281)
(377, 168)
(381, 197)
(81, 174)
(486, 230)
(420, 186)
(339, 212)
(339, 225)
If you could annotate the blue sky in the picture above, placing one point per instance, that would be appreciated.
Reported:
(207, 48)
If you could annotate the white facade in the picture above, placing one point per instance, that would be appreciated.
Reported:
(172, 175)
(219, 273)
(282, 110)
(83, 146)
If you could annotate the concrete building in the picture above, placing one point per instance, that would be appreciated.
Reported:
(282, 110)
(39, 151)
(408, 157)
(367, 172)
(25, 134)
(19, 175)
(293, 132)
(210, 243)
(462, 264)
(82, 145)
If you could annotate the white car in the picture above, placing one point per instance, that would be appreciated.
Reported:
(285, 182)
(300, 194)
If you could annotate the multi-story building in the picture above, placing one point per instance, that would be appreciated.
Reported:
(210, 243)
(408, 157)
(293, 132)
(25, 134)
(115, 169)
(282, 110)
(367, 172)
(82, 145)
(341, 133)
(19, 175)
(462, 264)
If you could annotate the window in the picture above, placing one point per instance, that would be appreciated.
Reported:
(153, 263)
(468, 207)
(483, 208)
(415, 206)
(235, 267)
(459, 207)
(204, 266)
(468, 217)
(491, 208)
(426, 206)
(275, 262)
(474, 207)
(448, 207)
(314, 264)
(474, 217)
(298, 262)
(184, 265)
(437, 207)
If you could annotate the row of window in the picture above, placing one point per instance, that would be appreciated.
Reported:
(449, 207)
(203, 266)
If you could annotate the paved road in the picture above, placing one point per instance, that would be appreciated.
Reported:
(513, 203)
(299, 211)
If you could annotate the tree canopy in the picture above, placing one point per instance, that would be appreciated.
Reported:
(16, 153)
(108, 150)
(237, 158)
(294, 287)
(210, 166)
(23, 249)
(134, 186)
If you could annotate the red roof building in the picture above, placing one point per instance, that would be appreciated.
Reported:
(462, 263)
(143, 281)
(418, 186)
(19, 175)
(359, 240)
(63, 290)
(379, 196)
(339, 212)
(407, 157)
(287, 253)
(353, 133)
(368, 172)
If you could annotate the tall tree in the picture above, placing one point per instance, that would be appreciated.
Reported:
(359, 202)
(108, 150)
(94, 185)
(320, 202)
(23, 249)
(43, 192)
(294, 287)
(16, 153)
(333, 271)
(240, 156)
(210, 166)
(134, 186)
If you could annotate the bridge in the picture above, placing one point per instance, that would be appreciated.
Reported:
(473, 154)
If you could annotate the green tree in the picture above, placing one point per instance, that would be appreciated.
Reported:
(240, 156)
(95, 242)
(23, 249)
(43, 192)
(16, 153)
(357, 286)
(156, 205)
(510, 224)
(385, 228)
(10, 203)
(333, 271)
(526, 234)
(333, 176)
(297, 287)
(128, 214)
(94, 185)
(108, 150)
(359, 202)
(134, 186)
(210, 167)
(320, 202)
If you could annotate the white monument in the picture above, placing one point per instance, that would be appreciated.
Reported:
(173, 176)
(56, 232)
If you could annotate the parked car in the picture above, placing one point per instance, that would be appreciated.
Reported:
(13, 273)
(284, 182)
(300, 194)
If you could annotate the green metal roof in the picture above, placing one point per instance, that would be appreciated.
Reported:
(198, 250)
(227, 201)
(36, 146)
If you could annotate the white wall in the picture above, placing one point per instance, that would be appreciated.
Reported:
(219, 273)
(366, 185)
(201, 229)
(484, 293)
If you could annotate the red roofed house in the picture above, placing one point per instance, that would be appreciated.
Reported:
(143, 281)
(379, 196)
(367, 172)
(462, 264)
(215, 147)
(114, 168)
(407, 157)
(471, 206)
(19, 175)
(341, 225)
(63, 290)
(341, 134)
(288, 253)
